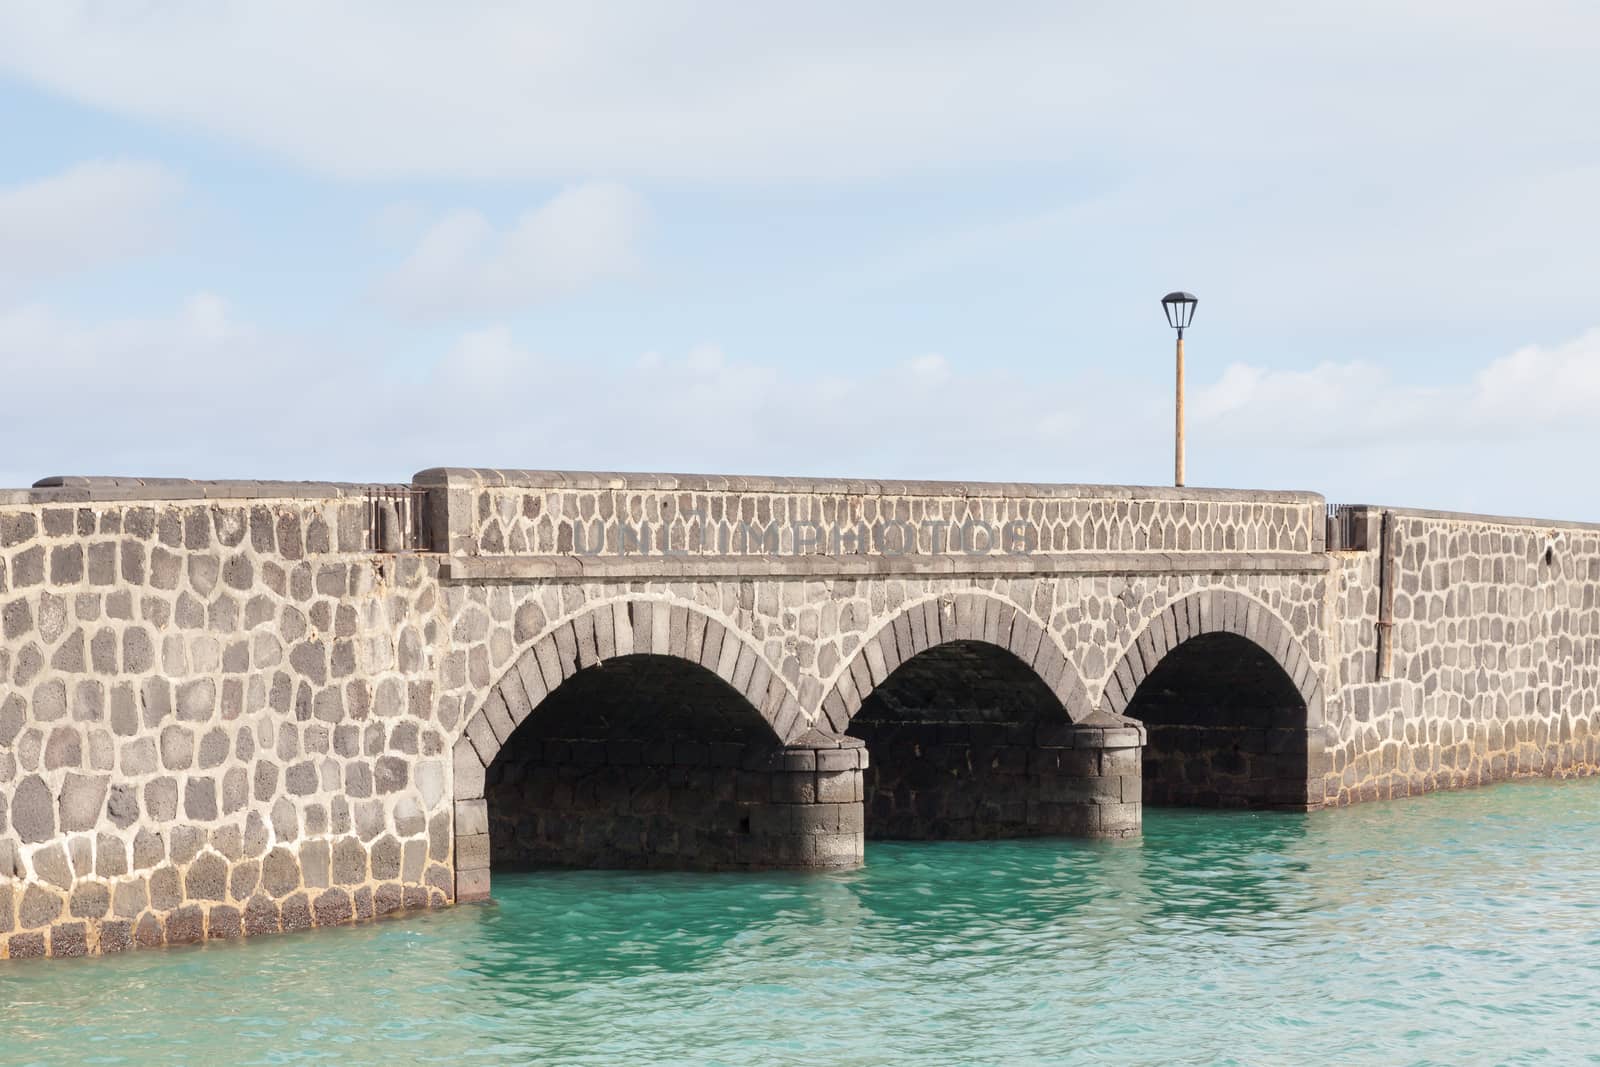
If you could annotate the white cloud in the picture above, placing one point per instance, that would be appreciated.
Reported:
(1320, 165)
(202, 393)
(1541, 387)
(90, 214)
(398, 222)
(196, 389)
(727, 89)
(1536, 391)
(461, 265)
(929, 370)
(487, 358)
(1331, 404)
(704, 359)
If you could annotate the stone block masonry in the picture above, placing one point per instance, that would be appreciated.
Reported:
(215, 720)
(1468, 652)
(676, 804)
(974, 781)
(236, 708)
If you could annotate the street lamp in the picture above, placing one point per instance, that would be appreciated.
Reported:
(1180, 313)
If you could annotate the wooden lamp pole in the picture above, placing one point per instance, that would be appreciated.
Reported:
(1177, 468)
(1179, 307)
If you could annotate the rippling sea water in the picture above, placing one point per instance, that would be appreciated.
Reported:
(1449, 929)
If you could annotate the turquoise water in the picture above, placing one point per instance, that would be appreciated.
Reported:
(1456, 928)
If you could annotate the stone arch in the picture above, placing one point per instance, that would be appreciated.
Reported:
(724, 663)
(979, 727)
(1206, 612)
(629, 627)
(975, 617)
(1231, 700)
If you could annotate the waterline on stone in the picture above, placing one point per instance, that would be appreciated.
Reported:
(1448, 928)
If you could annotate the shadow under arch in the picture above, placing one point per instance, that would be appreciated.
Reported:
(1232, 703)
(967, 708)
(621, 737)
(970, 617)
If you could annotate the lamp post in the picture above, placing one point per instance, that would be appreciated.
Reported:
(1179, 307)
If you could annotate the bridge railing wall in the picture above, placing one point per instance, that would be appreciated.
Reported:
(1467, 650)
(486, 513)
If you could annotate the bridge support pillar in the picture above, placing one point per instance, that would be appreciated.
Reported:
(693, 807)
(814, 818)
(954, 781)
(1085, 778)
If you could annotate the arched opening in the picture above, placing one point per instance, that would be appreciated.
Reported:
(1227, 727)
(639, 761)
(954, 734)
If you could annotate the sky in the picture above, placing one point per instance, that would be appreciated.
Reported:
(897, 240)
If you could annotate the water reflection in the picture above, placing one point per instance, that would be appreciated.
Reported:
(1450, 928)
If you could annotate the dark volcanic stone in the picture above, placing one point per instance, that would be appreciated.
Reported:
(224, 921)
(207, 878)
(260, 916)
(296, 913)
(116, 936)
(333, 907)
(186, 925)
(39, 907)
(69, 939)
(33, 811)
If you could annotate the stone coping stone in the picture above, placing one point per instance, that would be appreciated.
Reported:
(1099, 729)
(737, 483)
(1487, 520)
(59, 489)
(814, 738)
(620, 568)
(79, 488)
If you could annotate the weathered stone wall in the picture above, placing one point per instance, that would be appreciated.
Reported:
(771, 640)
(216, 718)
(1492, 669)
(548, 513)
(816, 643)
(223, 712)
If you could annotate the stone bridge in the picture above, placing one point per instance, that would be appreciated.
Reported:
(229, 708)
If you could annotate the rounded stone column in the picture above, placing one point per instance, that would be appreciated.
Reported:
(1091, 772)
(813, 819)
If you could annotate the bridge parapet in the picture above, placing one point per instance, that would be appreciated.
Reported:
(489, 513)
(1466, 648)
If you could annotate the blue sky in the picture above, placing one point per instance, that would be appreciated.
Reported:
(915, 240)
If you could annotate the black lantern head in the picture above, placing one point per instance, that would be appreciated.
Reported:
(1180, 310)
